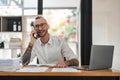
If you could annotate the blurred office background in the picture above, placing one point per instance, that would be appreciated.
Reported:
(61, 15)
(64, 18)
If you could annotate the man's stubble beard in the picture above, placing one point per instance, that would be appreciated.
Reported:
(44, 33)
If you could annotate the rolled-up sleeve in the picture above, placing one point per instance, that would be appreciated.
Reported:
(67, 51)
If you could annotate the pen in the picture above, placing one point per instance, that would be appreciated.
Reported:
(64, 58)
(25, 64)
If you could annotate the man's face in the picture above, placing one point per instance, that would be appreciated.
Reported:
(41, 27)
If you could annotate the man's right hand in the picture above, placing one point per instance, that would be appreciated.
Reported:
(32, 39)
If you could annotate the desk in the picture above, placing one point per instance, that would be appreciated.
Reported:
(107, 72)
(81, 73)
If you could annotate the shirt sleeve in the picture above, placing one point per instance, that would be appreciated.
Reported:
(67, 51)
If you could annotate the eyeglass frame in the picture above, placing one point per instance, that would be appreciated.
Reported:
(40, 25)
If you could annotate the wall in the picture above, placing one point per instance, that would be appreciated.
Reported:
(106, 26)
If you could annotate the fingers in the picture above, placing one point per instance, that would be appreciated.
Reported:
(31, 36)
(32, 32)
(60, 64)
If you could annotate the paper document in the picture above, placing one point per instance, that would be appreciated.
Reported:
(67, 69)
(32, 69)
(9, 64)
(46, 65)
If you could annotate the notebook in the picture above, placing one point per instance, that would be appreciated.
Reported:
(101, 57)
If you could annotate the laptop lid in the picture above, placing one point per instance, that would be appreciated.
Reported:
(101, 57)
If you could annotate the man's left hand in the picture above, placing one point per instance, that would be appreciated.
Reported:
(61, 64)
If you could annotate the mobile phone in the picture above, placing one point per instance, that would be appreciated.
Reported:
(36, 35)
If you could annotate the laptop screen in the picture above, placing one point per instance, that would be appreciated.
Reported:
(101, 56)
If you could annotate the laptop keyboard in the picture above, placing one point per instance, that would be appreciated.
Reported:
(81, 68)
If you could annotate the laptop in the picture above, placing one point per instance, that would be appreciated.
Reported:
(101, 58)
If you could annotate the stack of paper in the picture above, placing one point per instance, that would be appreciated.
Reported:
(15, 45)
(9, 64)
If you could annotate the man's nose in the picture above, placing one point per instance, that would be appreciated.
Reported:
(39, 27)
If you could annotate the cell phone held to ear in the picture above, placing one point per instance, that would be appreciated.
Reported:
(36, 35)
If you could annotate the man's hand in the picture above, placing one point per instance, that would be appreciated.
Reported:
(32, 39)
(61, 64)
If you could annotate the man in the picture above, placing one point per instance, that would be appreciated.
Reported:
(48, 49)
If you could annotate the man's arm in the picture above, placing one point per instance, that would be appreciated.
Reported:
(26, 56)
(72, 62)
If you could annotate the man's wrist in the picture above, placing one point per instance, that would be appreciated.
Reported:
(72, 62)
(67, 63)
(31, 43)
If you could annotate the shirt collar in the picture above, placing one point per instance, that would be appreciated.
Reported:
(49, 42)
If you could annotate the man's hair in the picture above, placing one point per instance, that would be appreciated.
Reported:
(38, 17)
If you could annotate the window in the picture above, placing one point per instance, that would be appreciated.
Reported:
(63, 23)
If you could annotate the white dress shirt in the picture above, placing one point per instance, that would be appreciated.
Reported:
(52, 52)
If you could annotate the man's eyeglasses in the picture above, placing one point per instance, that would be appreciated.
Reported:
(40, 25)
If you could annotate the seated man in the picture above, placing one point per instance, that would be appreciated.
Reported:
(48, 49)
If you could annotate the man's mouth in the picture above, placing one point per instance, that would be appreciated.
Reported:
(41, 33)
